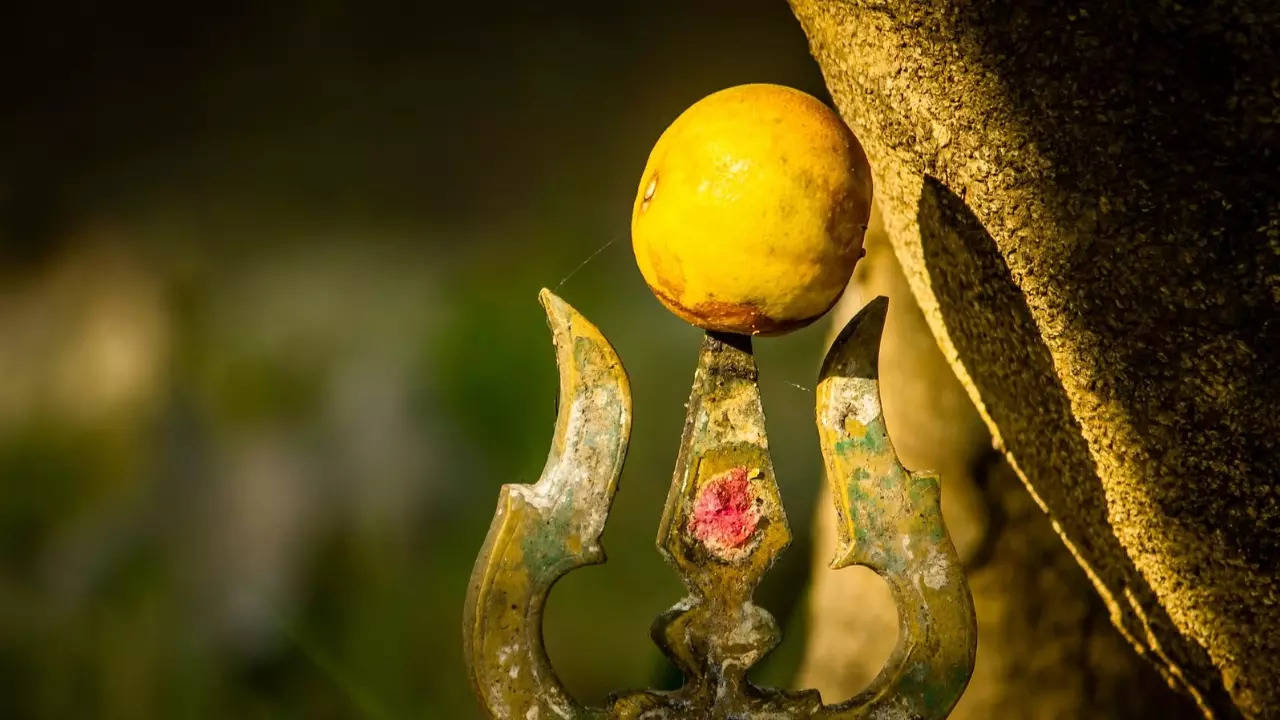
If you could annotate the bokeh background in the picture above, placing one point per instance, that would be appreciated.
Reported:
(269, 341)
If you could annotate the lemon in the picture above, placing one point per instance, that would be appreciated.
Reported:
(751, 211)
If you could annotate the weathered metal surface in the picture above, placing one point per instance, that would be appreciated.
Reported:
(890, 521)
(542, 531)
(722, 528)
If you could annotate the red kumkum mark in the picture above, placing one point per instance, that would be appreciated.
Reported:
(725, 514)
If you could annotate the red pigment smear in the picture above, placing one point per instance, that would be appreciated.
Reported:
(725, 515)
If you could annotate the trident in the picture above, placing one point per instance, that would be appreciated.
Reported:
(723, 526)
(748, 220)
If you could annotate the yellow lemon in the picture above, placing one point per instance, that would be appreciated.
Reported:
(751, 211)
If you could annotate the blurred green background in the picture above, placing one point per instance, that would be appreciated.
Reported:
(269, 342)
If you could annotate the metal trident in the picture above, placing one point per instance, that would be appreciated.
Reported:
(722, 528)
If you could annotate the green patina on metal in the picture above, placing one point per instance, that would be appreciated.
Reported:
(722, 528)
(544, 530)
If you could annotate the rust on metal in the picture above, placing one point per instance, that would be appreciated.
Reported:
(722, 528)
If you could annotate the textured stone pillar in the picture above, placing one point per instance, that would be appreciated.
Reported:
(1045, 646)
(1085, 204)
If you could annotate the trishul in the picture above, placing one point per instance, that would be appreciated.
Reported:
(722, 529)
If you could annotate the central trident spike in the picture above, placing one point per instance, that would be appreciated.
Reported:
(780, 199)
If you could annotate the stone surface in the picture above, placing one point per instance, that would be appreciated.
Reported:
(1045, 649)
(1084, 201)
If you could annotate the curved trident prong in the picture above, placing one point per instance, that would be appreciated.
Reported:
(542, 531)
(889, 519)
(722, 529)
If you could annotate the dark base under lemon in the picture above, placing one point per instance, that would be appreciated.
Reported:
(738, 318)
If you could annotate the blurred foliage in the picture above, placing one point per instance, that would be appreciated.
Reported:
(269, 342)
